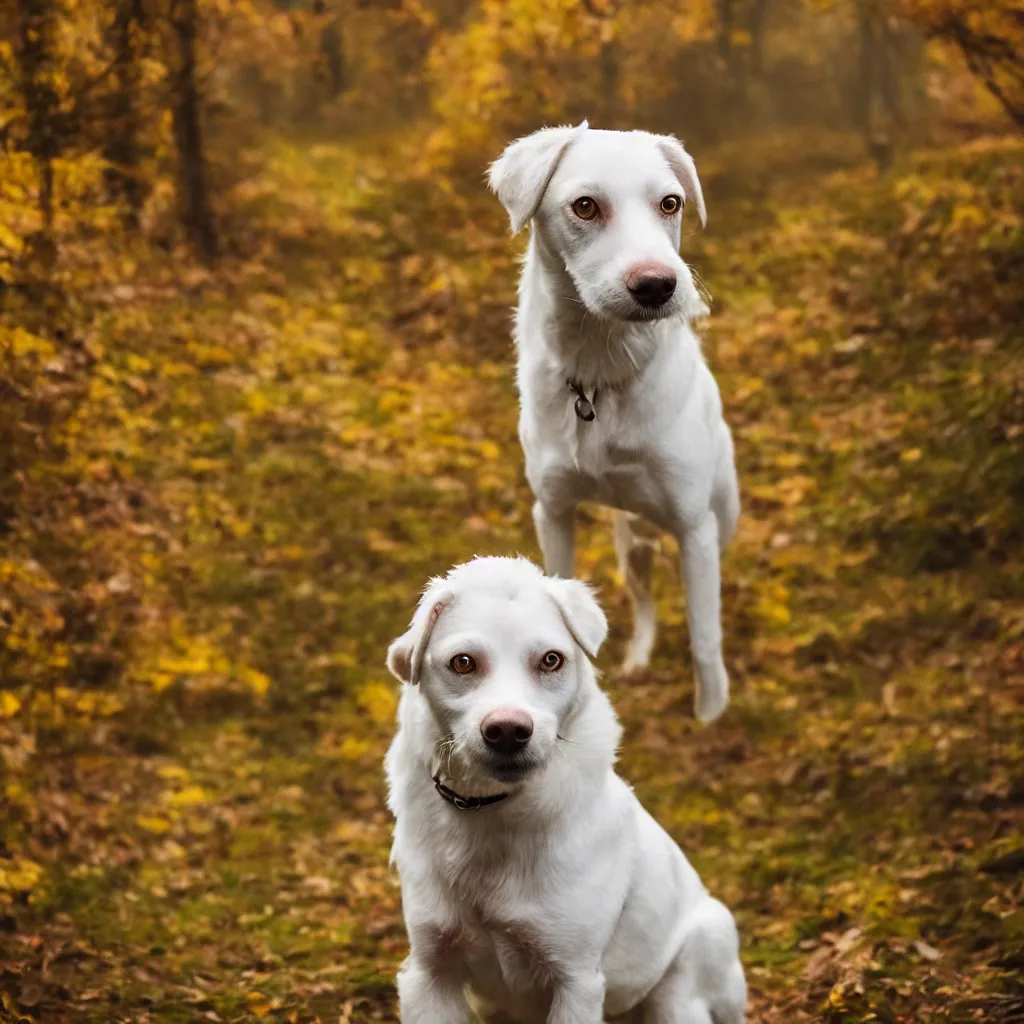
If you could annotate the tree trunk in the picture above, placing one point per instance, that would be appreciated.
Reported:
(888, 74)
(332, 52)
(35, 29)
(725, 20)
(124, 148)
(728, 57)
(194, 196)
(758, 16)
(996, 60)
(866, 70)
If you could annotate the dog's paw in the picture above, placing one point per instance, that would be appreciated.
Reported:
(712, 696)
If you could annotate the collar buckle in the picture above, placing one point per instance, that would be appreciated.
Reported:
(585, 408)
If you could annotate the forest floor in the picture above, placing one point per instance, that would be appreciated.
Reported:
(275, 456)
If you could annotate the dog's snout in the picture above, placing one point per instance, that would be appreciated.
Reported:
(651, 284)
(507, 730)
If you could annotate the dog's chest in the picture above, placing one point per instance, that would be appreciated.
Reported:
(610, 460)
(503, 934)
(509, 964)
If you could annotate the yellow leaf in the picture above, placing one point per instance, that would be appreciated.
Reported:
(9, 240)
(910, 455)
(172, 771)
(257, 402)
(190, 796)
(23, 343)
(353, 749)
(10, 705)
(153, 824)
(161, 680)
(837, 997)
(380, 701)
(256, 681)
(259, 1005)
(773, 606)
(205, 465)
(390, 401)
(7, 1001)
(19, 874)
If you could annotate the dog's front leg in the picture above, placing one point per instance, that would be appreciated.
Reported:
(702, 572)
(429, 993)
(578, 999)
(556, 536)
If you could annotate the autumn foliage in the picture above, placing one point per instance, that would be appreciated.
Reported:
(256, 386)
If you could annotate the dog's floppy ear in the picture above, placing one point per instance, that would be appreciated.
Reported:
(520, 176)
(685, 171)
(405, 655)
(580, 612)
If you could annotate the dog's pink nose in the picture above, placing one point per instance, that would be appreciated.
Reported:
(651, 284)
(507, 730)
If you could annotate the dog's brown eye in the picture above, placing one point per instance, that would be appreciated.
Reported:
(671, 204)
(585, 208)
(462, 664)
(551, 662)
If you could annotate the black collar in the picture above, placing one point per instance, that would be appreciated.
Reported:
(585, 408)
(466, 803)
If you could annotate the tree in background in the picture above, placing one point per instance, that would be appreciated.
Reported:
(193, 188)
(989, 34)
(50, 80)
(40, 126)
(878, 89)
(124, 146)
(333, 62)
(118, 105)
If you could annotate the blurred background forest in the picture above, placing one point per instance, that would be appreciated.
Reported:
(256, 385)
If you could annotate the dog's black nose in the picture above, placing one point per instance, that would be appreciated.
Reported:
(507, 730)
(653, 290)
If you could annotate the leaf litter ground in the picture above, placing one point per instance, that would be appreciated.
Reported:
(273, 459)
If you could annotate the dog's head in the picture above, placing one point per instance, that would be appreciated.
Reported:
(610, 206)
(499, 652)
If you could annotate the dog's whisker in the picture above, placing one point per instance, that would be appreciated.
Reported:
(699, 282)
(631, 358)
(583, 323)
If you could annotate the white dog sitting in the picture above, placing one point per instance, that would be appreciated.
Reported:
(531, 876)
(617, 403)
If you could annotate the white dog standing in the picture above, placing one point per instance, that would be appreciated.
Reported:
(617, 403)
(531, 875)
